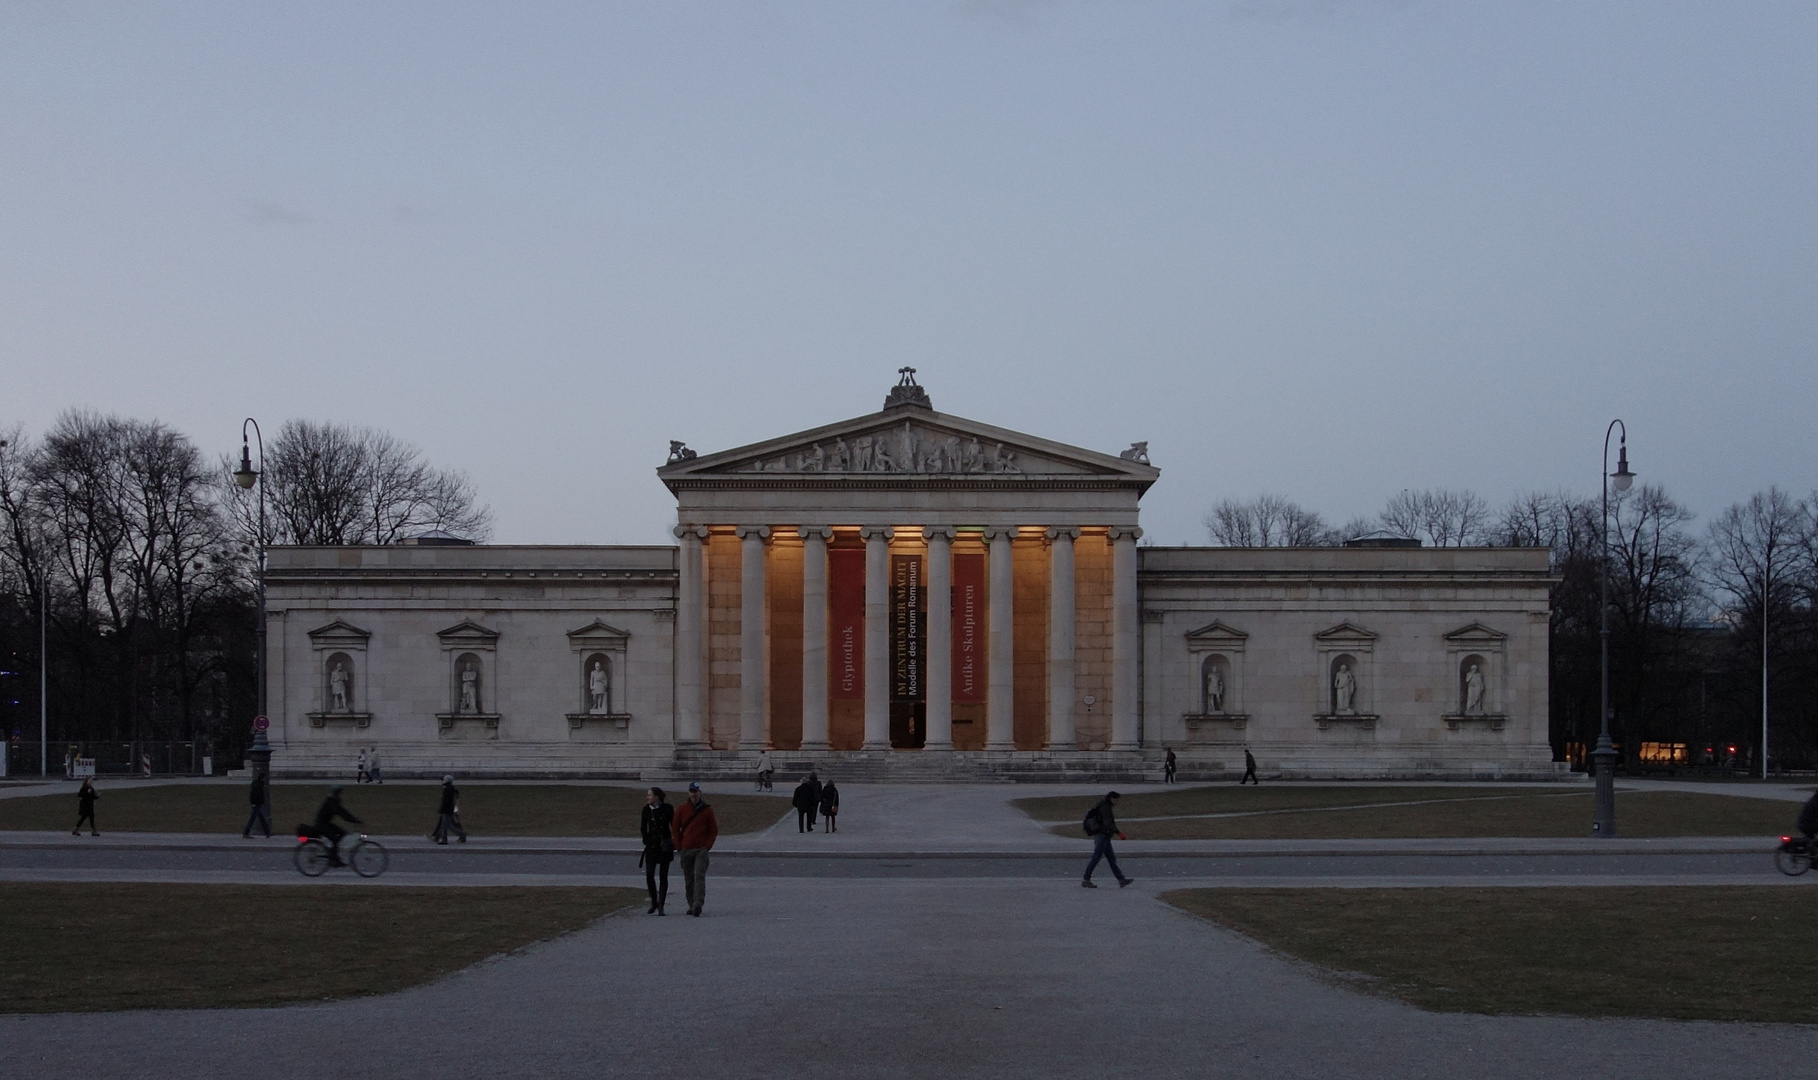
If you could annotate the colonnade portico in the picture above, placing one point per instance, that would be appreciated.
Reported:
(932, 652)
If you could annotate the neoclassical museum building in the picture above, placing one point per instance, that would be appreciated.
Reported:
(910, 595)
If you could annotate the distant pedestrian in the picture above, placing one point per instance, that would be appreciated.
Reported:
(1168, 768)
(814, 797)
(803, 801)
(448, 814)
(830, 805)
(765, 770)
(372, 766)
(1101, 826)
(259, 796)
(659, 847)
(695, 830)
(1249, 769)
(361, 776)
(85, 809)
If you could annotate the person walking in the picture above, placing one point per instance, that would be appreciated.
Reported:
(448, 815)
(695, 830)
(1249, 769)
(765, 771)
(659, 847)
(1168, 768)
(372, 766)
(1101, 826)
(814, 797)
(830, 805)
(261, 807)
(803, 801)
(85, 808)
(361, 776)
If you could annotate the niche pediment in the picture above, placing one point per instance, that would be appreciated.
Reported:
(468, 634)
(1345, 633)
(339, 634)
(1476, 633)
(598, 635)
(1217, 633)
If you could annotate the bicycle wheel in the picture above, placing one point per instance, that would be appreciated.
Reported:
(1792, 862)
(370, 858)
(311, 858)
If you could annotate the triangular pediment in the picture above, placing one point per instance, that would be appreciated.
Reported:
(598, 632)
(339, 632)
(1344, 631)
(1476, 632)
(1217, 631)
(909, 443)
(468, 632)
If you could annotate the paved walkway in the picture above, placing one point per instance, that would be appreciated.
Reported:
(787, 978)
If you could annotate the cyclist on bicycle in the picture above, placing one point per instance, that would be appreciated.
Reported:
(326, 828)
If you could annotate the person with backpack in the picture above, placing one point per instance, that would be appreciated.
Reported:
(1101, 826)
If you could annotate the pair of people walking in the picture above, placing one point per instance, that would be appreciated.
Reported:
(366, 767)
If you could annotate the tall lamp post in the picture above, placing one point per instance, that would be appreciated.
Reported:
(1605, 754)
(246, 476)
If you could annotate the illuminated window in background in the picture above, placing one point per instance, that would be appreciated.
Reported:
(1663, 753)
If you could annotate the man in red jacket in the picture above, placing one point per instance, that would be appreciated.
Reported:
(695, 831)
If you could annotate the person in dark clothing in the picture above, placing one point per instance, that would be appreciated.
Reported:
(695, 830)
(1249, 769)
(1168, 768)
(1808, 817)
(326, 828)
(814, 798)
(659, 847)
(830, 806)
(448, 814)
(803, 801)
(1101, 825)
(85, 809)
(261, 807)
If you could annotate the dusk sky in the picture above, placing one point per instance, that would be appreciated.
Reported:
(1329, 250)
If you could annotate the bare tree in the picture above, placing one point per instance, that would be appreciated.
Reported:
(1265, 521)
(1441, 518)
(335, 484)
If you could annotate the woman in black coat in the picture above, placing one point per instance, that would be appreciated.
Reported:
(830, 806)
(659, 847)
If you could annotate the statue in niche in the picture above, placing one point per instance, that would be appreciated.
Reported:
(841, 458)
(1344, 691)
(1473, 692)
(470, 688)
(1004, 461)
(861, 454)
(598, 686)
(339, 701)
(1214, 689)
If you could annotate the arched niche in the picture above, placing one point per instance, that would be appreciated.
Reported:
(596, 683)
(473, 685)
(339, 684)
(599, 643)
(1346, 688)
(339, 647)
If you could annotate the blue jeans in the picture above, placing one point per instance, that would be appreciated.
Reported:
(1101, 849)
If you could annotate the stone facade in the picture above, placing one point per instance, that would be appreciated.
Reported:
(911, 594)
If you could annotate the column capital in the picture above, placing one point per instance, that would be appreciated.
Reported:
(876, 532)
(945, 532)
(992, 532)
(810, 532)
(682, 532)
(1124, 532)
(1055, 532)
(746, 532)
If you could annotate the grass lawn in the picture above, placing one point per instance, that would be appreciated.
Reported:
(1681, 953)
(88, 948)
(1307, 813)
(387, 809)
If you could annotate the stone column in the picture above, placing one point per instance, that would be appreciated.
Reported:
(1000, 708)
(1126, 643)
(877, 637)
(1152, 678)
(937, 672)
(690, 638)
(814, 635)
(754, 657)
(1061, 590)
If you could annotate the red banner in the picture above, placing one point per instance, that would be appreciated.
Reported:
(846, 624)
(969, 681)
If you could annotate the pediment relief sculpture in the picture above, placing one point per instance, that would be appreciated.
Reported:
(908, 448)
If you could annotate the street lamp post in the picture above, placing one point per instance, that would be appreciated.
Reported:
(1604, 823)
(246, 476)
